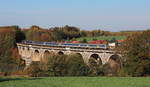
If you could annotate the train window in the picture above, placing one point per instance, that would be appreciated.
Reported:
(102, 45)
(76, 44)
(92, 45)
(83, 45)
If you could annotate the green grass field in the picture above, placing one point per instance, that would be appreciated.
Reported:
(102, 38)
(76, 82)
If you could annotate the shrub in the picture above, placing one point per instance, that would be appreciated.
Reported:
(76, 66)
(34, 70)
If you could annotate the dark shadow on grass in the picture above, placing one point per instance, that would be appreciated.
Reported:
(14, 79)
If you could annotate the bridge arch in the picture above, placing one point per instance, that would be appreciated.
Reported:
(36, 55)
(115, 63)
(60, 53)
(28, 49)
(95, 58)
(79, 54)
(115, 58)
(46, 51)
(75, 58)
(36, 51)
(46, 55)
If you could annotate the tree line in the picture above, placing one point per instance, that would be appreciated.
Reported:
(135, 52)
(37, 33)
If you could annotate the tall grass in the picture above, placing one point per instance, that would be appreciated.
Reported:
(77, 82)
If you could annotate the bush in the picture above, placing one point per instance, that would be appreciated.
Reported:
(55, 65)
(34, 70)
(96, 68)
(76, 66)
(59, 65)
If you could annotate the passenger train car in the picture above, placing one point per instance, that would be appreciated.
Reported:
(102, 46)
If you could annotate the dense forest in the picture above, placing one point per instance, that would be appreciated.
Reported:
(135, 51)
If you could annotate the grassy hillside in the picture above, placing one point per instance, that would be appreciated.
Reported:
(76, 82)
(102, 38)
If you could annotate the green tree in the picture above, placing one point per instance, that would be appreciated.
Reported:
(84, 41)
(63, 65)
(56, 65)
(76, 66)
(96, 68)
(136, 52)
(65, 33)
(34, 70)
(113, 40)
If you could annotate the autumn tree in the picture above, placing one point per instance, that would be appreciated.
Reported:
(136, 54)
(9, 58)
(35, 33)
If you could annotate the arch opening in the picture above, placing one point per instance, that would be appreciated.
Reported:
(45, 56)
(23, 48)
(95, 56)
(46, 52)
(115, 58)
(79, 54)
(95, 59)
(28, 49)
(36, 51)
(36, 56)
(114, 64)
(95, 65)
(60, 53)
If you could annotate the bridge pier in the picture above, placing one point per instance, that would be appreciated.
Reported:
(28, 61)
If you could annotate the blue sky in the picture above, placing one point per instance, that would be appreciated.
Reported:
(112, 15)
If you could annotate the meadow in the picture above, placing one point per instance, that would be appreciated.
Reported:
(102, 38)
(76, 82)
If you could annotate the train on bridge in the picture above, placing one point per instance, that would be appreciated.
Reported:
(102, 46)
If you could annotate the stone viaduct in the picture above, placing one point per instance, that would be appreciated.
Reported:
(31, 53)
